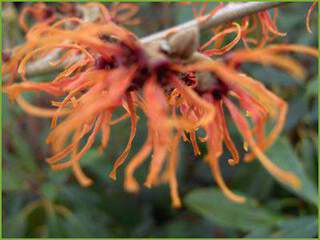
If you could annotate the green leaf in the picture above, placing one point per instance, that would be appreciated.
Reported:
(301, 227)
(214, 206)
(312, 116)
(284, 156)
(14, 226)
(49, 191)
(189, 229)
(307, 149)
(11, 182)
(259, 233)
(23, 151)
(15, 177)
(312, 87)
(298, 105)
(84, 223)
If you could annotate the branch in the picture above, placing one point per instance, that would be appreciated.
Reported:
(228, 13)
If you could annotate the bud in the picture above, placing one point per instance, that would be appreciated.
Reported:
(184, 43)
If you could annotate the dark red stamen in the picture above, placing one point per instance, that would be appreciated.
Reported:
(219, 90)
(102, 63)
(49, 12)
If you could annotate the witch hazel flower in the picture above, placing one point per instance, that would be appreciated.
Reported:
(175, 82)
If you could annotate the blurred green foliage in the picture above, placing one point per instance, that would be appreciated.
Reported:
(39, 202)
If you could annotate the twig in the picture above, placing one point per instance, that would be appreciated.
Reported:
(228, 13)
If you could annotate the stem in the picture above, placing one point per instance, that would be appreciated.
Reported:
(228, 13)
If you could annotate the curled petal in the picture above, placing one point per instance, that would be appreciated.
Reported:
(227, 138)
(119, 119)
(227, 47)
(283, 175)
(275, 132)
(25, 60)
(214, 152)
(156, 111)
(59, 23)
(269, 24)
(159, 155)
(79, 174)
(294, 48)
(83, 179)
(105, 128)
(126, 151)
(68, 149)
(194, 143)
(172, 168)
(214, 163)
(130, 183)
(16, 89)
(124, 13)
(37, 111)
(309, 15)
(83, 151)
(266, 57)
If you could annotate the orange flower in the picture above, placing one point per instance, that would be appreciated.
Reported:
(178, 96)
(125, 13)
(268, 31)
(203, 9)
(40, 12)
(227, 85)
(259, 107)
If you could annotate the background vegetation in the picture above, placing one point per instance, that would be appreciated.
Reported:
(39, 202)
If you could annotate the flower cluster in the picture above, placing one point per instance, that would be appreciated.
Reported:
(180, 89)
(41, 13)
